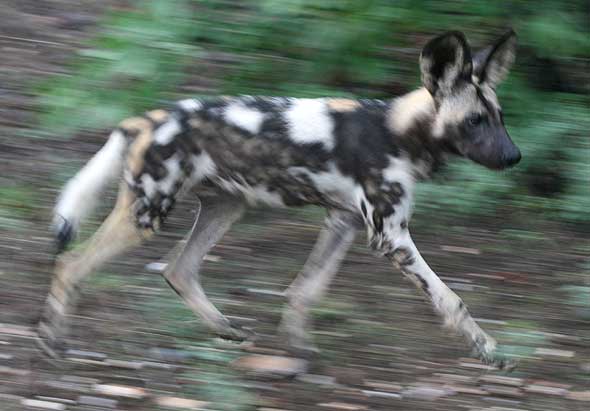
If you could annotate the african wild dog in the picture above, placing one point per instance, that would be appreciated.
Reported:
(359, 159)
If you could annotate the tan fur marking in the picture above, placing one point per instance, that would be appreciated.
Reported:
(144, 138)
(157, 116)
(406, 109)
(342, 104)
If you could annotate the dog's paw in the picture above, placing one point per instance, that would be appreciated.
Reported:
(490, 355)
(236, 334)
(50, 347)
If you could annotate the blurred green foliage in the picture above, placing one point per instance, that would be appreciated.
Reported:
(357, 48)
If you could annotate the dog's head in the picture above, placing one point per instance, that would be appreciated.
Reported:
(468, 116)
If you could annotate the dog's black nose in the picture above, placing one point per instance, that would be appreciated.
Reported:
(513, 158)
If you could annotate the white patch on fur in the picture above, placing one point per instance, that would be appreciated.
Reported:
(399, 170)
(204, 166)
(333, 184)
(244, 117)
(166, 132)
(81, 193)
(252, 194)
(172, 164)
(408, 109)
(149, 185)
(190, 105)
(309, 122)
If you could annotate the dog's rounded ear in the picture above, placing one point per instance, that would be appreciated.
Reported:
(492, 64)
(444, 61)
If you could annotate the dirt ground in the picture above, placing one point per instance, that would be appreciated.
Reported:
(135, 346)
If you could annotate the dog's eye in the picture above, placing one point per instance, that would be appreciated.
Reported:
(474, 119)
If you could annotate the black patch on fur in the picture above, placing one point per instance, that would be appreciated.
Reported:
(363, 142)
(364, 209)
(64, 236)
(423, 284)
(377, 221)
(174, 288)
(403, 256)
(404, 224)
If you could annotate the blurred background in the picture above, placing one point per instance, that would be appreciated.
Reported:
(514, 245)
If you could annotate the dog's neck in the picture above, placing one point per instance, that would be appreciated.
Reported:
(409, 119)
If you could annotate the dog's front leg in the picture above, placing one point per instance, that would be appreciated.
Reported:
(406, 256)
(389, 235)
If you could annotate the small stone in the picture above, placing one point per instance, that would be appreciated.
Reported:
(579, 395)
(54, 399)
(14, 371)
(156, 267)
(181, 403)
(212, 258)
(546, 390)
(46, 405)
(381, 394)
(271, 364)
(427, 392)
(130, 365)
(550, 352)
(120, 391)
(97, 401)
(343, 406)
(464, 389)
(503, 390)
(89, 355)
(461, 250)
(262, 291)
(157, 365)
(317, 379)
(384, 386)
(19, 330)
(501, 380)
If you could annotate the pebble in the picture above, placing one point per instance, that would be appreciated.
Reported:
(426, 392)
(156, 267)
(579, 395)
(462, 250)
(463, 389)
(503, 390)
(545, 389)
(181, 403)
(17, 330)
(14, 371)
(551, 352)
(381, 394)
(271, 364)
(97, 401)
(120, 391)
(262, 291)
(501, 380)
(130, 365)
(90, 355)
(343, 406)
(46, 405)
(384, 386)
(317, 379)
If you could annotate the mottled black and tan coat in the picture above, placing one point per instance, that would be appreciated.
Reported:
(360, 159)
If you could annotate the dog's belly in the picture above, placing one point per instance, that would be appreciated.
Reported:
(290, 186)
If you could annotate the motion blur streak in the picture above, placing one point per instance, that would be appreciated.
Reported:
(514, 245)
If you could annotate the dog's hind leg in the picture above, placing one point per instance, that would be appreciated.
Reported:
(216, 216)
(117, 234)
(312, 282)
